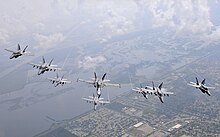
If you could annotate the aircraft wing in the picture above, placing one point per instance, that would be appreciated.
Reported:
(52, 79)
(53, 68)
(103, 102)
(66, 81)
(113, 85)
(28, 53)
(210, 87)
(9, 50)
(53, 65)
(106, 80)
(167, 93)
(86, 81)
(193, 85)
(137, 90)
(35, 65)
(88, 100)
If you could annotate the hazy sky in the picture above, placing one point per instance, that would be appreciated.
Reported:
(47, 21)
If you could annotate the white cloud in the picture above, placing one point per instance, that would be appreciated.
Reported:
(3, 38)
(214, 36)
(23, 17)
(192, 16)
(115, 24)
(91, 62)
(18, 17)
(40, 26)
(103, 18)
(49, 41)
(111, 18)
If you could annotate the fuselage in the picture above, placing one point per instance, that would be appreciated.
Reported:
(16, 54)
(43, 68)
(96, 100)
(98, 92)
(159, 94)
(98, 85)
(58, 81)
(204, 89)
(144, 94)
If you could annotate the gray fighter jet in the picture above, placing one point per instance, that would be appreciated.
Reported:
(142, 91)
(201, 86)
(59, 80)
(157, 91)
(95, 100)
(99, 83)
(45, 66)
(19, 52)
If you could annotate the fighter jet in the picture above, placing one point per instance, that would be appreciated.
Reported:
(157, 91)
(45, 66)
(59, 80)
(141, 90)
(99, 83)
(201, 86)
(19, 52)
(95, 100)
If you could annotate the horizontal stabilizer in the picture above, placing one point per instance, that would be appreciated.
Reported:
(210, 87)
(9, 50)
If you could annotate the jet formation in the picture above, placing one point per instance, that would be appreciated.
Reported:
(100, 83)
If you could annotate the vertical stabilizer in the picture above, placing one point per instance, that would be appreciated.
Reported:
(160, 86)
(197, 82)
(19, 47)
(43, 60)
